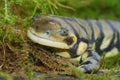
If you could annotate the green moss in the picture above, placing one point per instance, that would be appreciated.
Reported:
(111, 62)
(6, 76)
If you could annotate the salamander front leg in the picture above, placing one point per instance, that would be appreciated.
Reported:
(91, 63)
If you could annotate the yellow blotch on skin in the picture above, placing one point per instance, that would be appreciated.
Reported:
(81, 48)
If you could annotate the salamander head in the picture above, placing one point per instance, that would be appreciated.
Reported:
(48, 31)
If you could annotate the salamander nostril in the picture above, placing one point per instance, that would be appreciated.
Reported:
(37, 27)
(47, 32)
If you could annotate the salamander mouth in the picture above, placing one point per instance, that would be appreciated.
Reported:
(46, 42)
(39, 36)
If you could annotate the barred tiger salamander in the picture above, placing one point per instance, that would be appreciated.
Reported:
(84, 40)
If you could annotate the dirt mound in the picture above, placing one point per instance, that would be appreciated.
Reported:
(33, 57)
(45, 61)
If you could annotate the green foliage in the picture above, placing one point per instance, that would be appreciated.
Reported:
(31, 76)
(33, 7)
(6, 76)
(46, 6)
(10, 9)
(105, 76)
(111, 62)
(7, 13)
(106, 9)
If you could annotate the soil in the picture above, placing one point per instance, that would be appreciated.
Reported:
(35, 58)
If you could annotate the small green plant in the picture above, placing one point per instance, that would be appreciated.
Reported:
(48, 6)
(32, 76)
(6, 10)
(77, 73)
(8, 17)
(6, 76)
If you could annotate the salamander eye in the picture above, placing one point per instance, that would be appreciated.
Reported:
(63, 32)
(47, 32)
